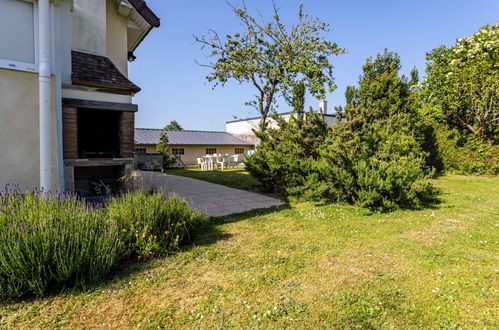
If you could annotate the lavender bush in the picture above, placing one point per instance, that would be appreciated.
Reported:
(52, 241)
(151, 224)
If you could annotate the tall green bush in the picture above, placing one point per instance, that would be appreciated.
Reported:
(287, 153)
(465, 153)
(52, 241)
(376, 157)
(382, 156)
(380, 166)
(163, 148)
(151, 224)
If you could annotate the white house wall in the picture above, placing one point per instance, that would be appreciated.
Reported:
(89, 26)
(19, 137)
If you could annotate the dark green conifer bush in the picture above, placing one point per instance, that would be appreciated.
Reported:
(380, 156)
(288, 153)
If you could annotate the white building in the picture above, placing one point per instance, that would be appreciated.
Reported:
(244, 128)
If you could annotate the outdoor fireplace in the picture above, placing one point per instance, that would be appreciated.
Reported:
(99, 134)
(98, 140)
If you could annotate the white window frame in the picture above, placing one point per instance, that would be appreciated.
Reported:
(22, 66)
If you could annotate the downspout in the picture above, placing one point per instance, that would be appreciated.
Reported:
(44, 95)
(56, 14)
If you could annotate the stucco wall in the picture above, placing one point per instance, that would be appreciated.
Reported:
(19, 133)
(89, 26)
(117, 49)
(193, 152)
(244, 128)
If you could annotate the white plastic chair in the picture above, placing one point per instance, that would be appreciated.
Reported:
(223, 161)
(202, 164)
(234, 161)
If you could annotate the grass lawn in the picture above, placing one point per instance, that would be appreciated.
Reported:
(308, 266)
(234, 177)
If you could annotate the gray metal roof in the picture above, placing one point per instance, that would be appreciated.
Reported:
(185, 137)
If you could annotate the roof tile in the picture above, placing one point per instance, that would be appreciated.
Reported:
(98, 71)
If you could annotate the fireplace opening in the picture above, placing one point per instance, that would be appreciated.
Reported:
(99, 134)
(101, 181)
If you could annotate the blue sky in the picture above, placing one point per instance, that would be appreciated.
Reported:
(174, 86)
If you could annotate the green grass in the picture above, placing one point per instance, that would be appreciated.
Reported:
(234, 177)
(308, 266)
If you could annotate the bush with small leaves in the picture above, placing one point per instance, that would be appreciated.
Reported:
(151, 224)
(52, 241)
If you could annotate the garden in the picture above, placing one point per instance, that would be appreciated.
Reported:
(391, 215)
(306, 265)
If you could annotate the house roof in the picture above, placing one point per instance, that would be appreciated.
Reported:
(186, 137)
(99, 71)
(146, 13)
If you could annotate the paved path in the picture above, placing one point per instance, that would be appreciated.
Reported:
(213, 199)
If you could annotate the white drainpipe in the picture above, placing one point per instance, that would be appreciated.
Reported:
(44, 94)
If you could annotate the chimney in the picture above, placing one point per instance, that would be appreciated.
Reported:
(323, 107)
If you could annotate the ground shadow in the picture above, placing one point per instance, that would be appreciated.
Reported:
(433, 203)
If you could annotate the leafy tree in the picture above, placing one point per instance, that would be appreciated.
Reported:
(163, 148)
(461, 88)
(174, 126)
(272, 57)
(298, 100)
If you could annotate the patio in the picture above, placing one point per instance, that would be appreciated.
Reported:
(213, 199)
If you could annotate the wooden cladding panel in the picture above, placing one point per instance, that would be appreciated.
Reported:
(127, 134)
(70, 132)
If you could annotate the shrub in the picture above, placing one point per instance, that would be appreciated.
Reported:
(286, 155)
(151, 224)
(465, 153)
(381, 166)
(50, 241)
(378, 157)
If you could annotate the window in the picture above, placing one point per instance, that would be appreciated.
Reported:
(211, 151)
(178, 151)
(18, 19)
(240, 151)
(140, 151)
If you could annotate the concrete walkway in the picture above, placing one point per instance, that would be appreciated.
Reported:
(212, 199)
